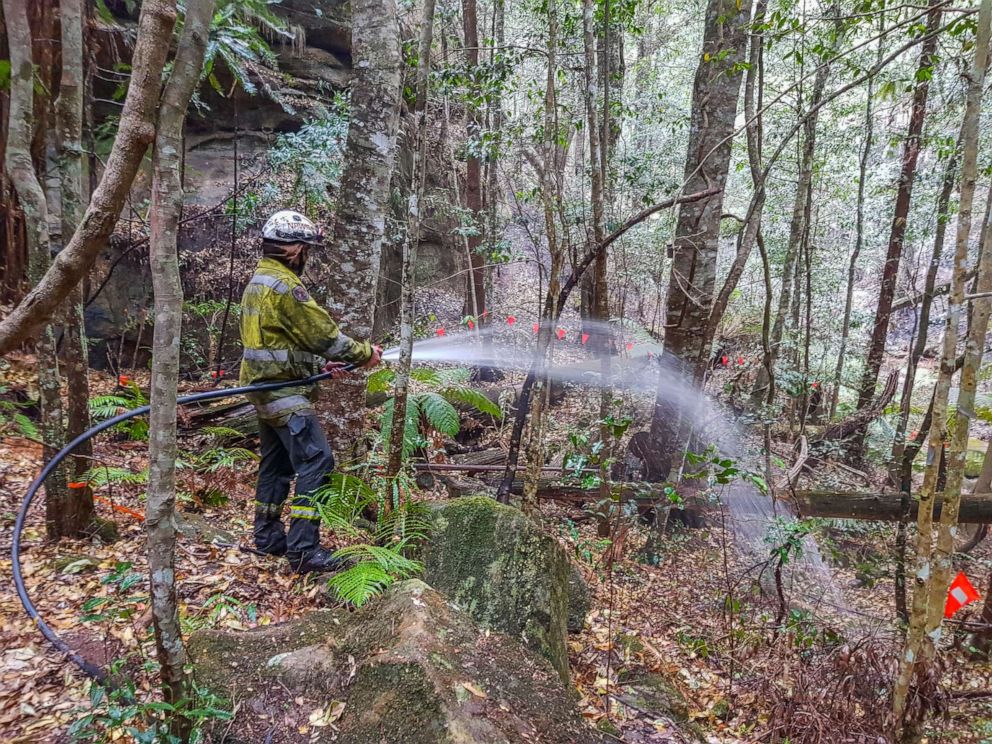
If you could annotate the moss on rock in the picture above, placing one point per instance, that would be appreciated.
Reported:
(500, 567)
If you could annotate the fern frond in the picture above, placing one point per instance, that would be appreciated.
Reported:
(471, 397)
(107, 406)
(26, 426)
(388, 558)
(360, 583)
(439, 413)
(411, 433)
(380, 380)
(104, 475)
(411, 522)
(426, 375)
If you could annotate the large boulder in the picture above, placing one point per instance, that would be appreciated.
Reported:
(408, 668)
(502, 569)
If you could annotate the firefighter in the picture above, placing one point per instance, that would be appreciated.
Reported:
(285, 333)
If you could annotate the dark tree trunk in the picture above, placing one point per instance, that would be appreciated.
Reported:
(693, 270)
(900, 216)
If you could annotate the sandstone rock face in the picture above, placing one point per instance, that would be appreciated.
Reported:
(503, 570)
(407, 668)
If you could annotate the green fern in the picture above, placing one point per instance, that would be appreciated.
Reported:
(426, 375)
(379, 381)
(472, 397)
(360, 583)
(103, 475)
(103, 407)
(26, 426)
(223, 457)
(438, 413)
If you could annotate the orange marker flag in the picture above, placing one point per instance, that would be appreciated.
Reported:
(585, 337)
(440, 331)
(561, 333)
(510, 320)
(536, 327)
(960, 594)
(630, 345)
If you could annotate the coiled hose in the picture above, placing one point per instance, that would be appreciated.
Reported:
(15, 552)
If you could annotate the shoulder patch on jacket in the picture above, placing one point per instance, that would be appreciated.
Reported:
(300, 293)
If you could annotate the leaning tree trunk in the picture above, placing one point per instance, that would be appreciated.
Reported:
(918, 645)
(414, 208)
(900, 216)
(60, 518)
(69, 133)
(167, 200)
(692, 276)
(134, 134)
(363, 202)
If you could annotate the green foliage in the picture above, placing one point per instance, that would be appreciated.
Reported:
(311, 157)
(117, 710)
(430, 409)
(380, 559)
(218, 458)
(785, 538)
(105, 475)
(103, 407)
(12, 418)
(119, 603)
(236, 40)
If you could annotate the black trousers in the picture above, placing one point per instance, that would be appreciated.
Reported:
(299, 448)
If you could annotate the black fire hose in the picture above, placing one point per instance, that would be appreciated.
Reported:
(50, 635)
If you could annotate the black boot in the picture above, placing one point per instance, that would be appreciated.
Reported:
(270, 537)
(319, 560)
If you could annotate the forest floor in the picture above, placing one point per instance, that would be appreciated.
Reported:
(701, 618)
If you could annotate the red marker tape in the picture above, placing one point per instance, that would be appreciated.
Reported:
(561, 333)
(510, 320)
(123, 379)
(740, 361)
(440, 331)
(585, 337)
(630, 345)
(471, 325)
(536, 327)
(723, 360)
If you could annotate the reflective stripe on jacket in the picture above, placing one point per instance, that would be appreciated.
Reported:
(285, 334)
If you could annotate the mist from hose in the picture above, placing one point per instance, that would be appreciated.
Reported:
(649, 377)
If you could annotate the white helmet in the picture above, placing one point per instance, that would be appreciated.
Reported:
(287, 226)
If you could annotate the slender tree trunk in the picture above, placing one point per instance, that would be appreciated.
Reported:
(551, 192)
(859, 237)
(692, 276)
(903, 455)
(69, 132)
(917, 643)
(19, 165)
(363, 201)
(797, 229)
(166, 206)
(134, 134)
(904, 194)
(476, 278)
(416, 203)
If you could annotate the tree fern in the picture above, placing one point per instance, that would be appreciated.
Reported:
(426, 375)
(380, 380)
(438, 413)
(390, 559)
(107, 406)
(471, 397)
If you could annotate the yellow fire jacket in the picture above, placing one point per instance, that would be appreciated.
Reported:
(285, 334)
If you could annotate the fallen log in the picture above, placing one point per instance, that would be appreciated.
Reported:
(860, 419)
(884, 507)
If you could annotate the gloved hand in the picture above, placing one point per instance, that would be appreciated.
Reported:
(375, 359)
(337, 370)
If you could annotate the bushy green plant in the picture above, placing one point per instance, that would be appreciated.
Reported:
(129, 397)
(380, 558)
(430, 406)
(12, 419)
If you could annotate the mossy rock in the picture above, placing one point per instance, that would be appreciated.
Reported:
(656, 695)
(406, 669)
(502, 569)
